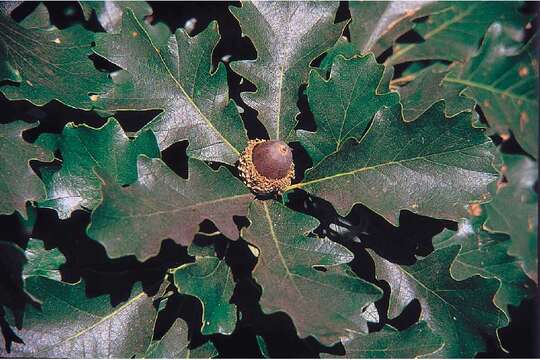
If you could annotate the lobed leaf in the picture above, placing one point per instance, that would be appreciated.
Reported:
(49, 64)
(433, 166)
(429, 87)
(454, 32)
(175, 345)
(18, 182)
(285, 270)
(73, 325)
(211, 281)
(521, 222)
(161, 205)
(461, 312)
(389, 343)
(84, 150)
(287, 37)
(344, 104)
(174, 77)
(503, 79)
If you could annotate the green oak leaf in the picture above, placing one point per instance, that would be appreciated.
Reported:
(514, 210)
(175, 345)
(211, 281)
(454, 32)
(109, 13)
(427, 88)
(376, 25)
(461, 312)
(484, 253)
(18, 182)
(389, 343)
(48, 64)
(176, 78)
(161, 205)
(320, 303)
(503, 79)
(344, 104)
(433, 166)
(42, 262)
(84, 149)
(287, 37)
(89, 327)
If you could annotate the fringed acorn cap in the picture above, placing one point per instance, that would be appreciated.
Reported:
(266, 166)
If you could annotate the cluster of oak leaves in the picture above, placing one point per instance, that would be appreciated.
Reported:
(411, 142)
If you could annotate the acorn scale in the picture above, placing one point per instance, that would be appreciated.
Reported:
(266, 166)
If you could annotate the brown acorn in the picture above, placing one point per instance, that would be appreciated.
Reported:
(266, 166)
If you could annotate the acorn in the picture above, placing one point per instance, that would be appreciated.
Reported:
(266, 166)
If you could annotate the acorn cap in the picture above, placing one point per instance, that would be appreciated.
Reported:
(266, 166)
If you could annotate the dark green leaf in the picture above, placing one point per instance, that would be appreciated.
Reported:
(48, 64)
(177, 79)
(211, 281)
(18, 182)
(73, 325)
(343, 105)
(503, 78)
(320, 303)
(85, 149)
(514, 210)
(484, 253)
(109, 13)
(376, 25)
(175, 345)
(461, 312)
(162, 205)
(388, 343)
(454, 33)
(287, 37)
(433, 166)
(42, 262)
(427, 88)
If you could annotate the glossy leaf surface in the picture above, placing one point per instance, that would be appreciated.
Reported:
(177, 78)
(344, 104)
(433, 166)
(389, 343)
(290, 283)
(211, 281)
(287, 37)
(18, 182)
(454, 33)
(73, 325)
(521, 223)
(461, 312)
(85, 151)
(48, 64)
(161, 205)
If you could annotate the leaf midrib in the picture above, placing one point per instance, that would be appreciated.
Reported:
(101, 321)
(189, 99)
(367, 168)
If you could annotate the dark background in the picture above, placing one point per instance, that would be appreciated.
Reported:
(87, 259)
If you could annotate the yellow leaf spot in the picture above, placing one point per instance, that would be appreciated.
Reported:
(94, 97)
(134, 34)
(505, 136)
(57, 41)
(523, 71)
